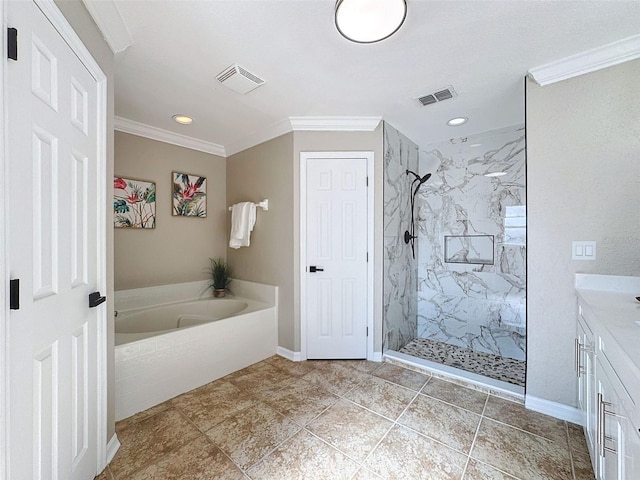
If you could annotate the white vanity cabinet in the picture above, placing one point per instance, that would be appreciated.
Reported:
(618, 436)
(585, 370)
(607, 362)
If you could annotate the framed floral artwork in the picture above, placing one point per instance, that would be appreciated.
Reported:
(134, 203)
(189, 195)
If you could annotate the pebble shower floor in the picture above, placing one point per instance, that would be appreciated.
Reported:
(492, 366)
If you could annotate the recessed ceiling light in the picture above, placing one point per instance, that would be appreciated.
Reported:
(474, 145)
(183, 119)
(495, 174)
(454, 122)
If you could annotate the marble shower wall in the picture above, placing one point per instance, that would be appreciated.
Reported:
(400, 269)
(474, 305)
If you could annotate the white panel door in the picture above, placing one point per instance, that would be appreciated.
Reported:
(336, 245)
(53, 195)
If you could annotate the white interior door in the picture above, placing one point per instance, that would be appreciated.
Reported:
(53, 249)
(336, 248)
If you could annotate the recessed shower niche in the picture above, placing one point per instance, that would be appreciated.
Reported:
(471, 249)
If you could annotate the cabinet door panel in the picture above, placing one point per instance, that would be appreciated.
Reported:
(611, 427)
(586, 383)
(632, 452)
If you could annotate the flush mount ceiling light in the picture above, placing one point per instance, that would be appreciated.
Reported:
(455, 122)
(182, 119)
(369, 21)
(495, 174)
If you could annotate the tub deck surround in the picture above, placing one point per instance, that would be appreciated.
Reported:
(182, 292)
(151, 370)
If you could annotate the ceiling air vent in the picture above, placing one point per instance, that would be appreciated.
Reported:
(427, 100)
(438, 96)
(239, 79)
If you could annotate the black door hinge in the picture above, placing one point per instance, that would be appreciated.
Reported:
(14, 294)
(12, 43)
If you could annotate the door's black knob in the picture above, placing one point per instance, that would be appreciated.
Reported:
(95, 299)
(314, 269)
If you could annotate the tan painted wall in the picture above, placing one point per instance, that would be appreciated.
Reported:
(583, 179)
(77, 15)
(266, 171)
(179, 248)
(272, 170)
(342, 141)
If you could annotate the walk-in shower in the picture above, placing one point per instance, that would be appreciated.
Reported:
(457, 296)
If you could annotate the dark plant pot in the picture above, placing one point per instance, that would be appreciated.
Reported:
(219, 292)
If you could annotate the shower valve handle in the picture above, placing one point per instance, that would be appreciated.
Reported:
(408, 237)
(314, 269)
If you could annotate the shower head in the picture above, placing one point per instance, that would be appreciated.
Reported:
(418, 178)
(425, 178)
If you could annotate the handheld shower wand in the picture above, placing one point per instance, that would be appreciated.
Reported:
(409, 235)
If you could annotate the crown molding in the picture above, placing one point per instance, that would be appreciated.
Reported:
(275, 130)
(154, 133)
(588, 61)
(317, 124)
(313, 124)
(108, 19)
(335, 124)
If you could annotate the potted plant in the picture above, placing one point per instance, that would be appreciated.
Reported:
(220, 276)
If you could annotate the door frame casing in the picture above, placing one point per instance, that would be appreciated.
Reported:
(66, 31)
(368, 156)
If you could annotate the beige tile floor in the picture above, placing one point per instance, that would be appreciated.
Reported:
(279, 420)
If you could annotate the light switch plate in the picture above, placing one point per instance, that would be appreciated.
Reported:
(583, 250)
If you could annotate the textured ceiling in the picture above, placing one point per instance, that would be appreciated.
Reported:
(482, 48)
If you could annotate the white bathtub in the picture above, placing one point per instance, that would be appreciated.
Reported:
(172, 339)
(138, 323)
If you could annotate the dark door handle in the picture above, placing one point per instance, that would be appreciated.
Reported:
(95, 299)
(314, 269)
(14, 294)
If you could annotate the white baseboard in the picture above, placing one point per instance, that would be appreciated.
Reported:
(553, 409)
(112, 448)
(288, 354)
(297, 356)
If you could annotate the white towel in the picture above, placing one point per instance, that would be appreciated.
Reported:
(243, 218)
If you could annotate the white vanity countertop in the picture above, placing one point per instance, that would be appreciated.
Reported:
(612, 299)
